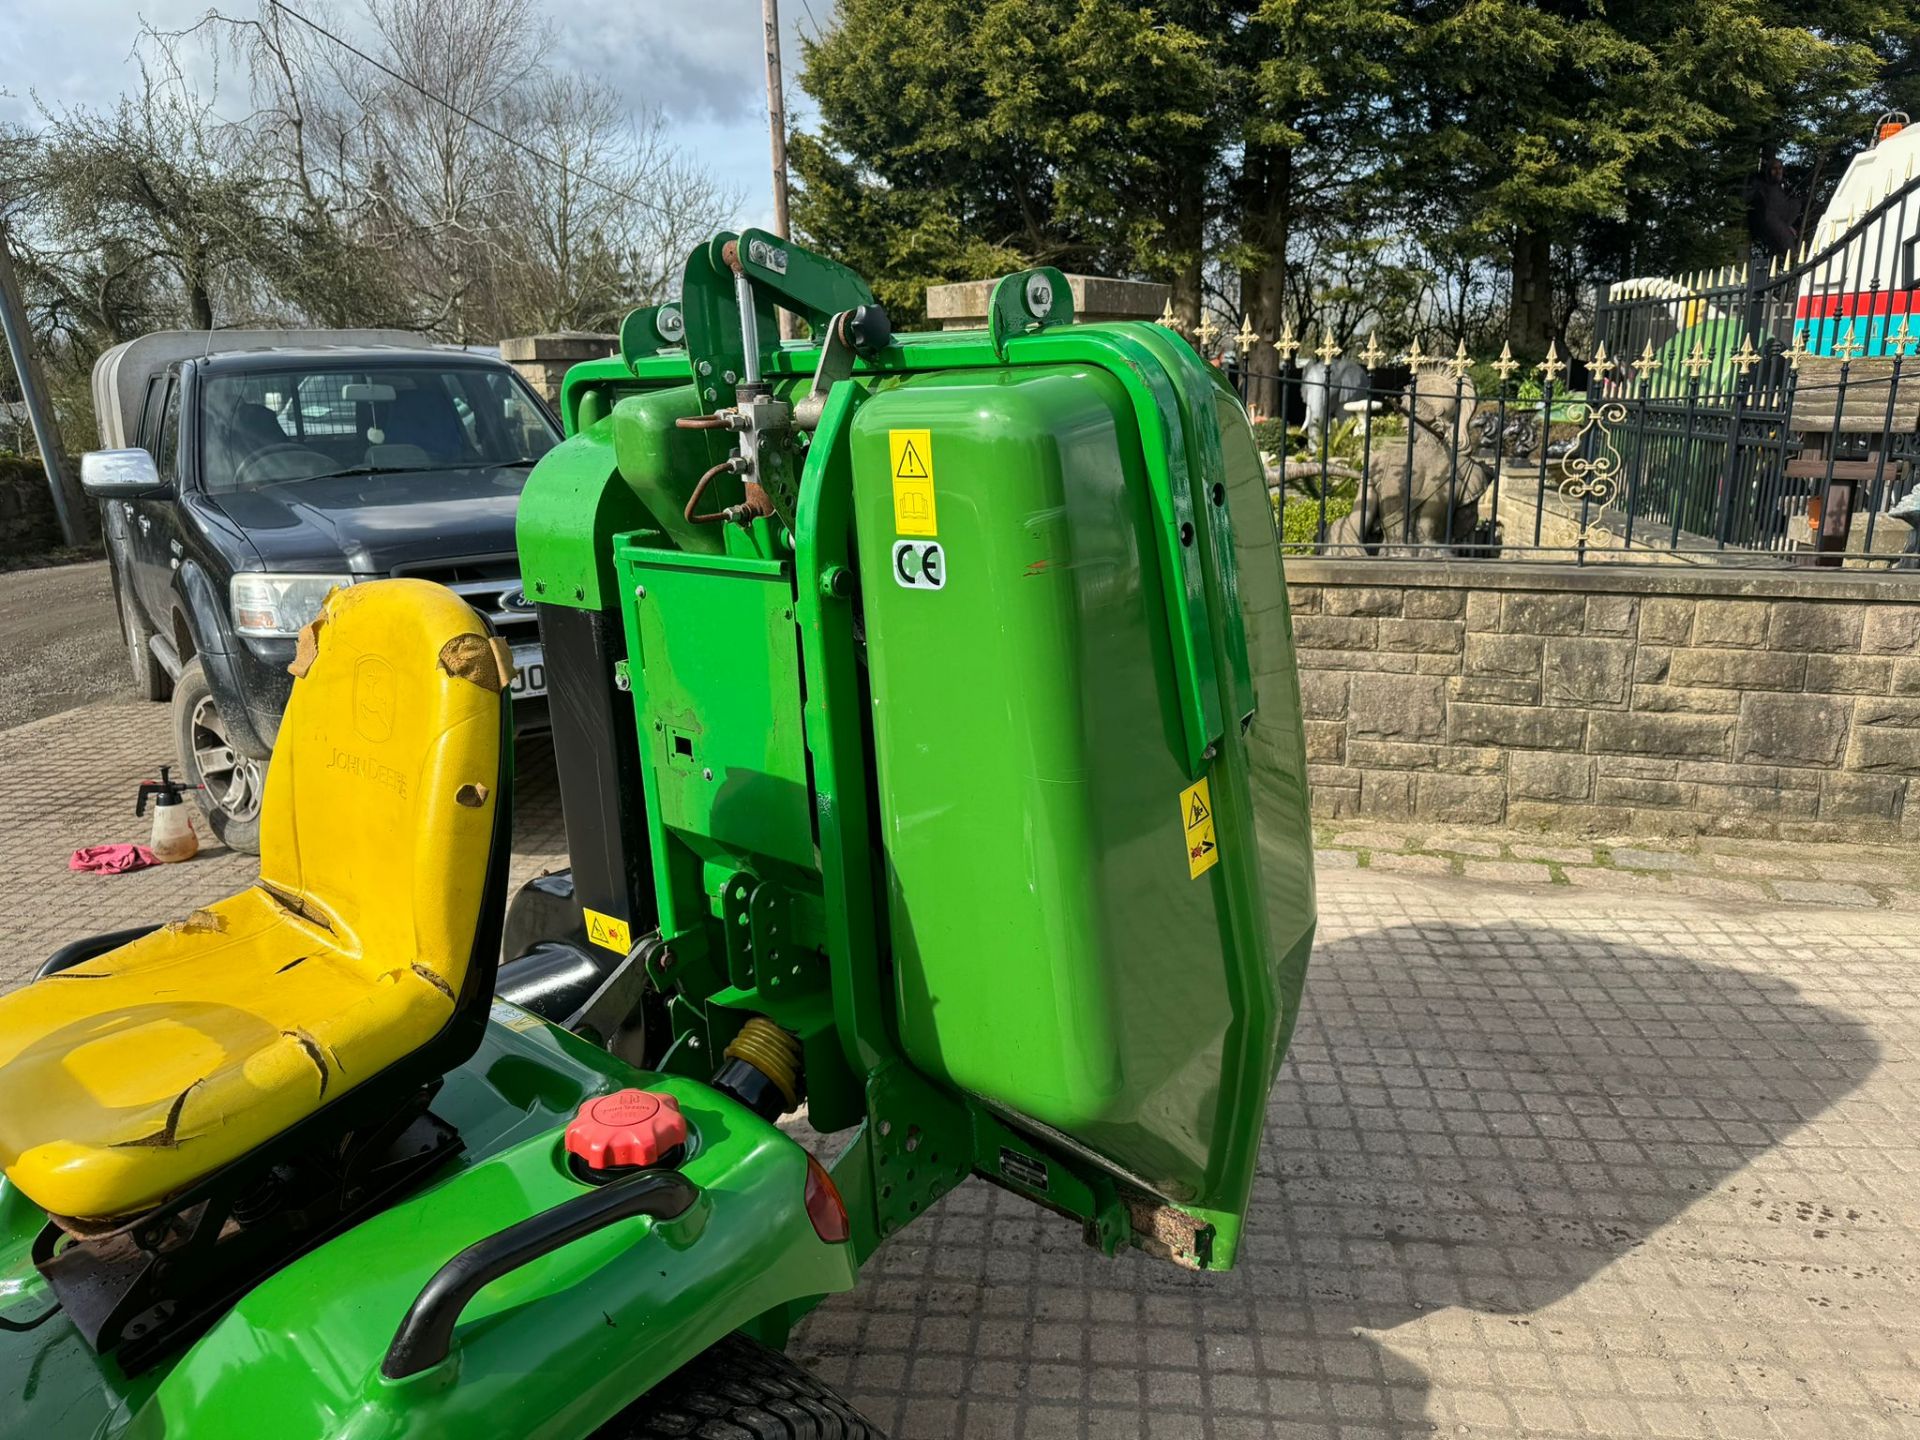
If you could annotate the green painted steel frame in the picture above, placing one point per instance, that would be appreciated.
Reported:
(1172, 394)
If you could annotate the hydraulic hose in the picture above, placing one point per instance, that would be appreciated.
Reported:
(699, 489)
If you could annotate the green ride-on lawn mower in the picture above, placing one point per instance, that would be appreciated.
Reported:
(930, 750)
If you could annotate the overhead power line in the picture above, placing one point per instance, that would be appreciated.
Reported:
(472, 119)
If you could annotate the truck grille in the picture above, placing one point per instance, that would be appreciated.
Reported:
(489, 583)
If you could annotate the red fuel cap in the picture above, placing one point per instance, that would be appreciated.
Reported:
(629, 1127)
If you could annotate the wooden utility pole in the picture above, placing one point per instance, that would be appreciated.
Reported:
(777, 138)
(776, 115)
(69, 501)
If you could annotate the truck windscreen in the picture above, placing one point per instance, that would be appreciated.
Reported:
(260, 427)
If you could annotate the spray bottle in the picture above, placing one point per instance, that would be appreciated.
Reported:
(173, 837)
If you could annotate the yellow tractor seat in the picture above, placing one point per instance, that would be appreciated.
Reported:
(134, 1075)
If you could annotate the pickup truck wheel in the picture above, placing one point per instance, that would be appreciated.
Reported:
(231, 784)
(740, 1390)
(150, 681)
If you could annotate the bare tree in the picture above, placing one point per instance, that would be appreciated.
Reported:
(607, 223)
(123, 206)
(443, 180)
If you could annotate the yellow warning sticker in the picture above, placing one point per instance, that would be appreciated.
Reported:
(514, 1018)
(1196, 817)
(609, 931)
(910, 452)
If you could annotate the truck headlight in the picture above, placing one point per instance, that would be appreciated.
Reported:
(266, 605)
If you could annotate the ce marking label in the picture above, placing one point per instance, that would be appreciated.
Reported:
(919, 565)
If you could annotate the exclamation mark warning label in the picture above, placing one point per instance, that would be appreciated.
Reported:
(1196, 818)
(910, 453)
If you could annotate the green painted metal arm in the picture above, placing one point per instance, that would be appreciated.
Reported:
(824, 584)
(810, 285)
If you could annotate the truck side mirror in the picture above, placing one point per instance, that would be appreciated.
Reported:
(122, 475)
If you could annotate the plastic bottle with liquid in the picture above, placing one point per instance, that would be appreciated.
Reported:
(173, 835)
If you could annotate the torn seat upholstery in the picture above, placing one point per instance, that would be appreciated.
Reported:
(137, 1073)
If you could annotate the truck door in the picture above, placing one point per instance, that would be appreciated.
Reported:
(152, 530)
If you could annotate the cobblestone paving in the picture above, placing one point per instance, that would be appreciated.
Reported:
(1545, 1161)
(69, 780)
(1541, 1163)
(1856, 876)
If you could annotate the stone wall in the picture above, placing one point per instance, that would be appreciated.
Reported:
(1612, 699)
(543, 360)
(28, 522)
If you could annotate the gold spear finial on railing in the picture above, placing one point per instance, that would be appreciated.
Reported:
(1416, 357)
(1506, 364)
(1646, 364)
(1460, 364)
(1168, 318)
(1902, 340)
(1246, 339)
(1746, 357)
(1601, 362)
(1849, 349)
(1696, 362)
(1286, 344)
(1328, 351)
(1798, 351)
(1553, 367)
(1373, 354)
(1208, 332)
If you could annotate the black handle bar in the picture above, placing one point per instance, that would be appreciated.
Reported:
(425, 1336)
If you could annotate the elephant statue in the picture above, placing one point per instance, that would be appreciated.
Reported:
(1421, 496)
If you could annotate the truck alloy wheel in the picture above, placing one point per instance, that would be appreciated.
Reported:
(231, 783)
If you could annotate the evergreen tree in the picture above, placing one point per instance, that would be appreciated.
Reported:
(1549, 137)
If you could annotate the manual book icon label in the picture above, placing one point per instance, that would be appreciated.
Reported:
(910, 457)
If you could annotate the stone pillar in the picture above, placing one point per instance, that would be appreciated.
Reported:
(543, 360)
(963, 306)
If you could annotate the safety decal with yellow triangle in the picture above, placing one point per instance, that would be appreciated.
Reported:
(609, 932)
(1196, 818)
(910, 457)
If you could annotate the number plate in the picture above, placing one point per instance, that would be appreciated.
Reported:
(529, 672)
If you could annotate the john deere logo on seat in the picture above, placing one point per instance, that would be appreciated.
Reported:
(373, 698)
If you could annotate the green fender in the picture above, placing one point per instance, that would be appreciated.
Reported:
(552, 1350)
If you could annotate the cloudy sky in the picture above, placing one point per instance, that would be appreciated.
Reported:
(708, 79)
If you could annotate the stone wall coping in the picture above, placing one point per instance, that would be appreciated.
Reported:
(1893, 588)
(1095, 297)
(558, 345)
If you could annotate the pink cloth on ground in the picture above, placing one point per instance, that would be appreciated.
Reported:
(111, 859)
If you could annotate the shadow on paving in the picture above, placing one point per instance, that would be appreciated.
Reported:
(1472, 1117)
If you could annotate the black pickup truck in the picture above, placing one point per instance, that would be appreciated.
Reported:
(244, 483)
